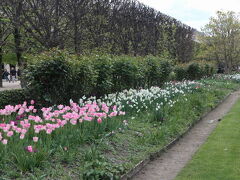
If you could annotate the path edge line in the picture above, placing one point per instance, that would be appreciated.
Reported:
(131, 173)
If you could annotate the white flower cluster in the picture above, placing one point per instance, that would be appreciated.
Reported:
(235, 77)
(135, 101)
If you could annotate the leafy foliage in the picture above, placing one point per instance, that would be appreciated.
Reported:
(220, 40)
(97, 167)
(13, 97)
(194, 70)
(86, 26)
(115, 141)
(59, 77)
(48, 80)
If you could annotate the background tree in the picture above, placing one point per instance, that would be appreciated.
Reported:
(5, 32)
(12, 9)
(222, 39)
(84, 26)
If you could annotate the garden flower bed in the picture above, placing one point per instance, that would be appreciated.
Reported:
(100, 138)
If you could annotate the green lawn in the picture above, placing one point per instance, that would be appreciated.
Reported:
(219, 157)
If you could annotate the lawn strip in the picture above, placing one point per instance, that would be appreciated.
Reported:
(219, 157)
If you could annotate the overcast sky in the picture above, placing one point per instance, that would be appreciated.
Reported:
(195, 13)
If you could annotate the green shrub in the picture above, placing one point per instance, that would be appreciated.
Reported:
(48, 81)
(55, 77)
(104, 69)
(158, 71)
(180, 72)
(165, 71)
(206, 69)
(194, 71)
(141, 78)
(153, 71)
(13, 97)
(84, 79)
(124, 73)
(210, 69)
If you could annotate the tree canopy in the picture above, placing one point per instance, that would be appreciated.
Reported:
(221, 39)
(83, 26)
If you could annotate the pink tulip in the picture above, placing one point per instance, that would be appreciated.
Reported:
(99, 120)
(10, 133)
(21, 111)
(6, 129)
(24, 131)
(60, 106)
(88, 118)
(18, 130)
(3, 125)
(29, 149)
(115, 108)
(73, 121)
(37, 131)
(35, 139)
(113, 114)
(31, 108)
(49, 131)
(122, 113)
(4, 141)
(22, 136)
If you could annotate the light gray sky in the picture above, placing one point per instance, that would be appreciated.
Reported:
(195, 13)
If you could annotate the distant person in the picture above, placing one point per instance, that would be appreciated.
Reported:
(18, 73)
(221, 69)
(13, 74)
(5, 75)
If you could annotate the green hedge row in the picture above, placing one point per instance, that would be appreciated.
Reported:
(56, 77)
(60, 77)
(13, 97)
(194, 70)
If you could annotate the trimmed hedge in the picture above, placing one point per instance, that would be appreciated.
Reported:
(57, 77)
(194, 70)
(13, 97)
(180, 72)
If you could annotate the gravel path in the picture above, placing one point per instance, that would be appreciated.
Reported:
(9, 86)
(169, 164)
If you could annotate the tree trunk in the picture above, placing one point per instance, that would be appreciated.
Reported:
(76, 36)
(17, 39)
(18, 51)
(1, 72)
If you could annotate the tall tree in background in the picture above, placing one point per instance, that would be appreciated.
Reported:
(5, 32)
(222, 38)
(12, 9)
(112, 26)
(44, 21)
(75, 12)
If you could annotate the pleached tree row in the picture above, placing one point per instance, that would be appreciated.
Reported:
(83, 26)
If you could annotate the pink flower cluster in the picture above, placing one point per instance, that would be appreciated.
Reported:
(50, 119)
